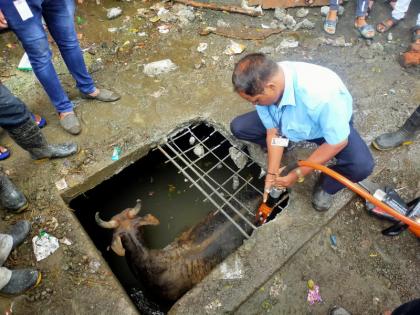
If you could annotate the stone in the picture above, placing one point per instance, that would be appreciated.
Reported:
(340, 10)
(289, 21)
(280, 13)
(304, 25)
(221, 23)
(324, 10)
(159, 67)
(267, 50)
(302, 12)
(289, 42)
(113, 13)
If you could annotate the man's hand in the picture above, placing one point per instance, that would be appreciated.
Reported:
(269, 182)
(3, 21)
(286, 181)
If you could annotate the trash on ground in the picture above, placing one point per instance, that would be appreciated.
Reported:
(240, 33)
(154, 19)
(61, 184)
(234, 48)
(116, 154)
(65, 241)
(94, 266)
(288, 42)
(339, 41)
(159, 92)
(171, 188)
(199, 150)
(113, 13)
(333, 240)
(202, 47)
(24, 63)
(191, 140)
(258, 9)
(80, 20)
(159, 67)
(313, 293)
(113, 29)
(262, 173)
(389, 37)
(220, 7)
(238, 157)
(163, 29)
(44, 245)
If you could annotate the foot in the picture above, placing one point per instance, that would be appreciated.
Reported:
(55, 151)
(386, 25)
(102, 95)
(330, 23)
(70, 123)
(10, 197)
(4, 153)
(21, 280)
(19, 231)
(321, 200)
(40, 121)
(391, 140)
(366, 30)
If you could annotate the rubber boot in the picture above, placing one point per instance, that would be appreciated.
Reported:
(404, 135)
(10, 197)
(30, 138)
(19, 281)
(10, 240)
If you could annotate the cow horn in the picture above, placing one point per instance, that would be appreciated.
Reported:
(107, 225)
(117, 246)
(134, 211)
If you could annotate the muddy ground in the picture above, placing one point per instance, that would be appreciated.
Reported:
(366, 273)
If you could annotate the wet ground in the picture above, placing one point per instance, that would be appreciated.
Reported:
(366, 273)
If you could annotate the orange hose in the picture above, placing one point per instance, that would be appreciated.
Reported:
(413, 226)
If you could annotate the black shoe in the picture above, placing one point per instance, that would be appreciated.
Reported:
(19, 232)
(21, 281)
(404, 135)
(30, 138)
(10, 197)
(321, 200)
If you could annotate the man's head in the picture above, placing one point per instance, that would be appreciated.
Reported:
(258, 79)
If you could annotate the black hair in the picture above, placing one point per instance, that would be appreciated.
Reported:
(252, 72)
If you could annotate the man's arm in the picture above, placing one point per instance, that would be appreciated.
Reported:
(321, 155)
(275, 154)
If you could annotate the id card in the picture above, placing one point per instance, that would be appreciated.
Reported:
(23, 9)
(280, 142)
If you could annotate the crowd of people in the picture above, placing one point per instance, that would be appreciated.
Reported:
(293, 101)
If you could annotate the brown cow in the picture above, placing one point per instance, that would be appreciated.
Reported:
(173, 270)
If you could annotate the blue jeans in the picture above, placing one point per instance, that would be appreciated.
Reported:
(361, 6)
(13, 112)
(59, 17)
(355, 161)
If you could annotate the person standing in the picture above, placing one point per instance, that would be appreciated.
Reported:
(24, 18)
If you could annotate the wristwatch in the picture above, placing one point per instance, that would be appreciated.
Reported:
(299, 174)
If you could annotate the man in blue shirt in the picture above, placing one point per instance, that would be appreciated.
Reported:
(301, 102)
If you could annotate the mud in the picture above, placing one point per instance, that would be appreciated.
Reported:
(278, 260)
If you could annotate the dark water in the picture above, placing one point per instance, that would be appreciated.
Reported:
(166, 194)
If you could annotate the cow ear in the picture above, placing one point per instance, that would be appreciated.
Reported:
(117, 246)
(149, 219)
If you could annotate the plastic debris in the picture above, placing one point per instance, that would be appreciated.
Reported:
(235, 182)
(262, 173)
(390, 37)
(80, 20)
(202, 47)
(192, 140)
(289, 42)
(10, 45)
(24, 63)
(199, 150)
(113, 13)
(44, 245)
(61, 184)
(163, 29)
(313, 293)
(171, 188)
(116, 154)
(333, 240)
(159, 67)
(65, 241)
(238, 157)
(113, 29)
(234, 48)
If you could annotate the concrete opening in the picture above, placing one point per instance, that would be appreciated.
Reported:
(196, 171)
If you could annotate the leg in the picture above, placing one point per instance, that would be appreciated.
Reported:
(366, 30)
(400, 9)
(355, 162)
(250, 128)
(13, 111)
(402, 136)
(59, 16)
(34, 40)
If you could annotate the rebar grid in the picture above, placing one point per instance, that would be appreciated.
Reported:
(219, 195)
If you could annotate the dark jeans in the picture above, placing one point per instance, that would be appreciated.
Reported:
(13, 111)
(355, 161)
(59, 16)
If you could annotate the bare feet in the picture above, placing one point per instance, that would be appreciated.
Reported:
(94, 93)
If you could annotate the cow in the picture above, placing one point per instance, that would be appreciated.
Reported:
(170, 272)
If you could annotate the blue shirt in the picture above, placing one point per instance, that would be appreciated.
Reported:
(315, 104)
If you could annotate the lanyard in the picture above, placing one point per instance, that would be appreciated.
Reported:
(276, 117)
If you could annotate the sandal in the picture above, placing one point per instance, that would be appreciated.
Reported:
(40, 121)
(386, 25)
(364, 31)
(330, 26)
(4, 153)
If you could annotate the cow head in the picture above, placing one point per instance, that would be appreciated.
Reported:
(126, 222)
